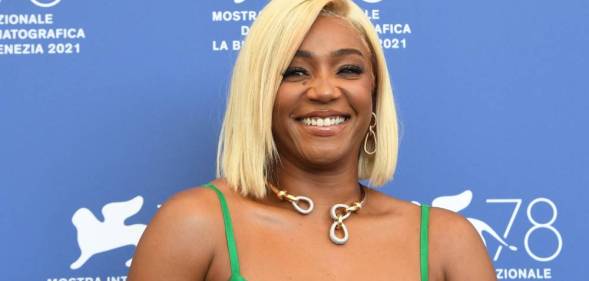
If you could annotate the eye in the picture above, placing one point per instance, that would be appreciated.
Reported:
(294, 74)
(350, 69)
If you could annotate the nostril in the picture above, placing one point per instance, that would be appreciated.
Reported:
(323, 93)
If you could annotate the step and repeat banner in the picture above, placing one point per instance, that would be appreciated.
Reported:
(107, 108)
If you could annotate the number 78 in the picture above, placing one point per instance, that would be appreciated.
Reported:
(535, 225)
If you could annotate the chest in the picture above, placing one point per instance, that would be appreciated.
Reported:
(269, 250)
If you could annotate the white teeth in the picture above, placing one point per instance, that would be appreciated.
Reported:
(323, 122)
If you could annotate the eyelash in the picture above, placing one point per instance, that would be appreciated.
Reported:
(354, 69)
(348, 68)
(294, 70)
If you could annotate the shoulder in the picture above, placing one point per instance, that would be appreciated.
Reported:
(456, 244)
(180, 240)
(193, 210)
(184, 205)
(445, 226)
(449, 224)
(456, 251)
(450, 231)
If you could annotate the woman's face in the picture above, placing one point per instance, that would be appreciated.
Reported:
(323, 106)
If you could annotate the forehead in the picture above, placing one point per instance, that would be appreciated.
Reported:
(330, 33)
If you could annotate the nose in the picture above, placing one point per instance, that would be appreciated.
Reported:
(323, 90)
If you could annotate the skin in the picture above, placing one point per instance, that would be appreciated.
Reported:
(186, 240)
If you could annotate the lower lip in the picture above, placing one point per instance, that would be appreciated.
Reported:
(324, 131)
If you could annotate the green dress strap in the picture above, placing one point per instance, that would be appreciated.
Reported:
(423, 242)
(233, 258)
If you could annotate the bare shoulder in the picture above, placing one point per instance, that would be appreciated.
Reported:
(456, 251)
(179, 243)
(457, 245)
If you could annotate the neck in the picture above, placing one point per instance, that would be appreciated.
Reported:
(325, 187)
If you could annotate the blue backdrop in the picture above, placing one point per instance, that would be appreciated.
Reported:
(109, 107)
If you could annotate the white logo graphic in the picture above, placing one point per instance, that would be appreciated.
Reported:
(96, 237)
(458, 202)
(45, 4)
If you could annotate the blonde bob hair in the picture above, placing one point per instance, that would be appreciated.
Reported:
(247, 151)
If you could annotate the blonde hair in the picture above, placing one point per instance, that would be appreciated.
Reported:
(247, 151)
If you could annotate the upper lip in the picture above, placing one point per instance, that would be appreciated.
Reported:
(322, 114)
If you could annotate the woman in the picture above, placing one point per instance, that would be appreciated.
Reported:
(310, 113)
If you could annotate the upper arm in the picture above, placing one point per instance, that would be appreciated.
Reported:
(461, 251)
(177, 244)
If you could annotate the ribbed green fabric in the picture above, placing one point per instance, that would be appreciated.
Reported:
(233, 257)
(423, 242)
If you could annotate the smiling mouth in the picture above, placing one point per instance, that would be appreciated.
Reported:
(323, 122)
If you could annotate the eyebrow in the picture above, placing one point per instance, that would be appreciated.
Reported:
(337, 53)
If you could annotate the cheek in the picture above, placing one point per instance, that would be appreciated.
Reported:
(360, 95)
(283, 103)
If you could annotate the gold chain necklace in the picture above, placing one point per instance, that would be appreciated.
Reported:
(339, 212)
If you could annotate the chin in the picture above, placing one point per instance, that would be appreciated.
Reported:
(327, 157)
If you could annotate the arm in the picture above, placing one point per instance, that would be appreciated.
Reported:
(177, 245)
(462, 253)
